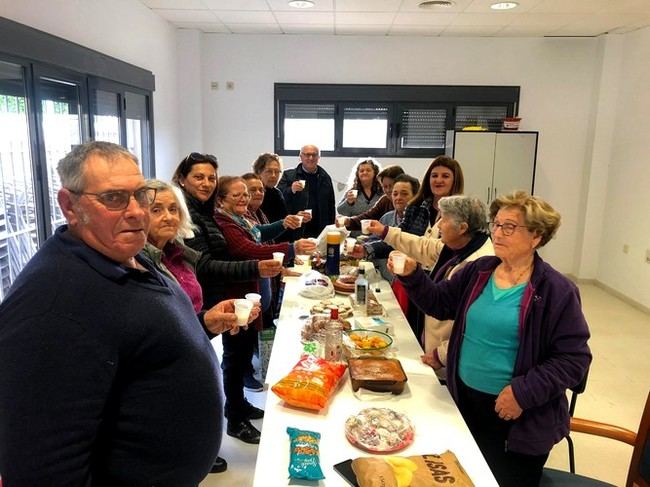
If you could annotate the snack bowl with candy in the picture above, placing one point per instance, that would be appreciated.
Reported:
(366, 342)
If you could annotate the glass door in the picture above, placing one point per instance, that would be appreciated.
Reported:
(137, 129)
(18, 215)
(60, 115)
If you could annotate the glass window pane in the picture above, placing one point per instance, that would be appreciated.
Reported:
(61, 130)
(308, 124)
(137, 127)
(365, 127)
(488, 117)
(106, 116)
(423, 128)
(18, 225)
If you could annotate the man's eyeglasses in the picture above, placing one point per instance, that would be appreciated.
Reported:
(118, 200)
(198, 157)
(309, 154)
(506, 228)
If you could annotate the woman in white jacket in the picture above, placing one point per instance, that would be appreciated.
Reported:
(463, 238)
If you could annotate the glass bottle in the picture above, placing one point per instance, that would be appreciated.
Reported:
(334, 337)
(361, 288)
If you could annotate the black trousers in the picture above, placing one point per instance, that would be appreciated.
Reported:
(510, 469)
(237, 356)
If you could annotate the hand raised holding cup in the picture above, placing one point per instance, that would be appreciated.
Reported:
(351, 196)
(298, 185)
(306, 215)
(400, 264)
(292, 221)
(243, 308)
(304, 246)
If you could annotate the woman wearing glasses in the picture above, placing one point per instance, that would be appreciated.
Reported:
(519, 339)
(216, 271)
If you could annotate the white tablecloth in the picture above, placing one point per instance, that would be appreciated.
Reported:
(438, 424)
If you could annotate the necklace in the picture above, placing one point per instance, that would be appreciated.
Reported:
(521, 274)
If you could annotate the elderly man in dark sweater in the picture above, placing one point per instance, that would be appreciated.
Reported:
(107, 376)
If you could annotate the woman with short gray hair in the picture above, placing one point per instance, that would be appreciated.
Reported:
(463, 238)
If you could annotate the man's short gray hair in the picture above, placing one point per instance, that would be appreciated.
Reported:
(465, 209)
(185, 227)
(71, 168)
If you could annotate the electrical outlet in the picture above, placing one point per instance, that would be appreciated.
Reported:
(214, 85)
(230, 85)
(626, 249)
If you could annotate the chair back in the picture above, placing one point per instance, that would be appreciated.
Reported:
(639, 473)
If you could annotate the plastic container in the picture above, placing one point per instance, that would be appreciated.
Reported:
(377, 374)
(333, 260)
(511, 123)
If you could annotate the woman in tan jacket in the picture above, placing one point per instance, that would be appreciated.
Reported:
(463, 238)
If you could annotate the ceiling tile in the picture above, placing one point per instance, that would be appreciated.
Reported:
(628, 6)
(213, 27)
(483, 19)
(321, 5)
(304, 17)
(187, 15)
(366, 18)
(551, 20)
(244, 17)
(367, 5)
(484, 6)
(379, 30)
(471, 30)
(318, 29)
(526, 31)
(424, 19)
(415, 30)
(175, 4)
(254, 28)
(236, 4)
(412, 6)
(572, 7)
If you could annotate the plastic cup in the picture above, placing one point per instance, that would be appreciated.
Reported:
(308, 211)
(355, 193)
(243, 309)
(340, 220)
(253, 298)
(302, 182)
(349, 244)
(299, 220)
(279, 256)
(398, 263)
(365, 226)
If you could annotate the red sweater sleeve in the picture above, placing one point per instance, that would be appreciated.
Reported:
(242, 246)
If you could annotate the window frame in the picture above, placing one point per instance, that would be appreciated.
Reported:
(394, 96)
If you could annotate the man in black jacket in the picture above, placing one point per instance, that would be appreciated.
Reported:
(308, 186)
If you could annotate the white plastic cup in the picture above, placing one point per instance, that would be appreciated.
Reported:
(303, 183)
(243, 309)
(308, 211)
(355, 193)
(299, 220)
(341, 220)
(398, 263)
(279, 256)
(365, 226)
(349, 244)
(254, 298)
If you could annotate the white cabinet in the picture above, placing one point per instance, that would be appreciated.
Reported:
(495, 163)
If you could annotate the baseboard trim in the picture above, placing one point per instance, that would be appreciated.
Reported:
(613, 292)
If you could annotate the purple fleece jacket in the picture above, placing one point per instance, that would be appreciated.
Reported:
(553, 353)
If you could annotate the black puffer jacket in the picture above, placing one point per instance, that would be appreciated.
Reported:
(215, 270)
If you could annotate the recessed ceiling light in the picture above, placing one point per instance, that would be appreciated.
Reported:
(436, 4)
(301, 3)
(504, 5)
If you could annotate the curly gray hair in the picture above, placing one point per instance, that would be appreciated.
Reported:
(465, 209)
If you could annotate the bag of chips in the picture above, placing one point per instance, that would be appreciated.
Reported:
(310, 383)
(304, 461)
(416, 471)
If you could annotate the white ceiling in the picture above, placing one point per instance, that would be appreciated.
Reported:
(532, 18)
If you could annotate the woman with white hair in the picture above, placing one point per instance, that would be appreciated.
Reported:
(170, 223)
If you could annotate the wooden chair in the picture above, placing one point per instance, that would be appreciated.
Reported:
(639, 471)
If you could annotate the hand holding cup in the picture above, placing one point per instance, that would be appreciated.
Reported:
(306, 215)
(304, 246)
(401, 264)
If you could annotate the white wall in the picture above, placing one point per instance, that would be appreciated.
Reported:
(557, 79)
(626, 218)
(122, 29)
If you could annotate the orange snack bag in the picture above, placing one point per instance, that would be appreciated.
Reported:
(310, 383)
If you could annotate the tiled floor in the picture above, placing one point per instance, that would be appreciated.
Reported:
(619, 380)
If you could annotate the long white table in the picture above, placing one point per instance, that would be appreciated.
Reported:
(438, 424)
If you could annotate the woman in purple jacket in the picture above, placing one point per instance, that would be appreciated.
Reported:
(519, 339)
